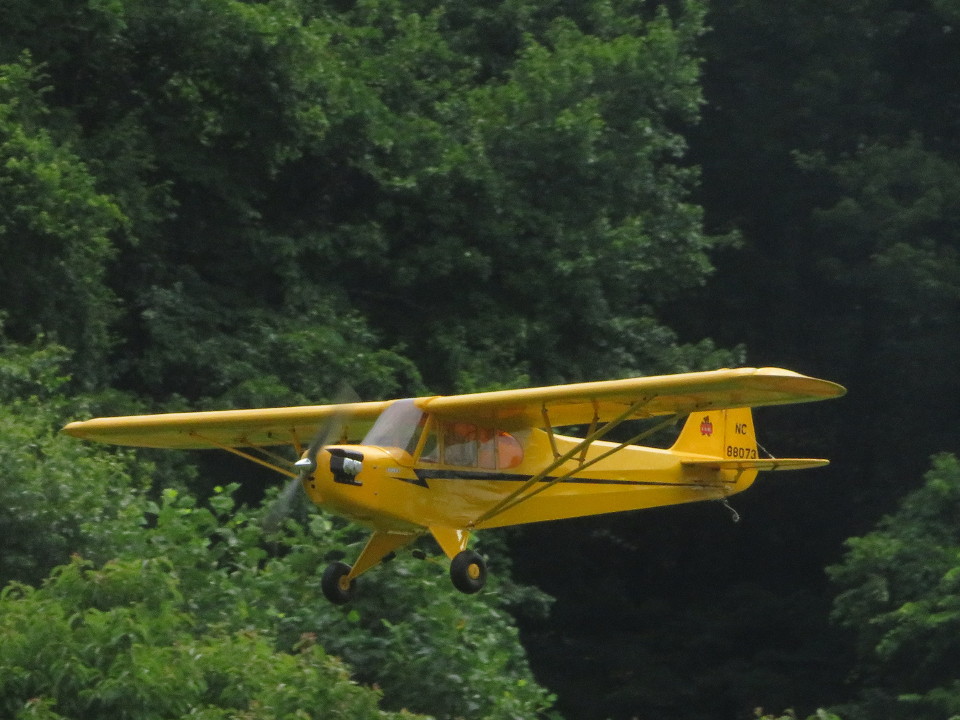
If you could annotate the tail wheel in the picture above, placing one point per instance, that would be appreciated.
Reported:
(468, 572)
(337, 586)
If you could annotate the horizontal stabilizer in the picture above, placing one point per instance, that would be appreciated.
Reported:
(759, 464)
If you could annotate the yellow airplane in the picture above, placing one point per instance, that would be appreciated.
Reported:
(451, 465)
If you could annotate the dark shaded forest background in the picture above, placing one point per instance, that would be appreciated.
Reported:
(214, 204)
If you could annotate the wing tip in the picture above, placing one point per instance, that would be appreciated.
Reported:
(77, 428)
(73, 428)
(813, 388)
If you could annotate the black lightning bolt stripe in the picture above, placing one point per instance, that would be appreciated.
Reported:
(423, 475)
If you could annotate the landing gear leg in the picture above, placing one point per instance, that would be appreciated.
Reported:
(338, 579)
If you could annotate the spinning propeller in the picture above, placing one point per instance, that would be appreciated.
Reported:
(306, 466)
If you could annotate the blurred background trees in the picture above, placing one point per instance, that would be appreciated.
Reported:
(897, 593)
(215, 203)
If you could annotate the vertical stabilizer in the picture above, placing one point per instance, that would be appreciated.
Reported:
(725, 434)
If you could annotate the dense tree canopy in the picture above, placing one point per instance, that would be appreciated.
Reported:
(300, 181)
(898, 594)
(164, 605)
(219, 203)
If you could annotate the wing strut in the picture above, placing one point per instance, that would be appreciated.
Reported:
(548, 426)
(593, 426)
(521, 494)
(582, 466)
(270, 460)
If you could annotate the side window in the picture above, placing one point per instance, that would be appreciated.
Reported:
(466, 445)
(487, 451)
(509, 451)
(460, 444)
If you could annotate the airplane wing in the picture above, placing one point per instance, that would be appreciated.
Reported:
(644, 397)
(576, 404)
(230, 428)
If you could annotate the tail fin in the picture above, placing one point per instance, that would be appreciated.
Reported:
(719, 434)
(726, 439)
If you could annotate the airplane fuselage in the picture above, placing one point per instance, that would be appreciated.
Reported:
(393, 492)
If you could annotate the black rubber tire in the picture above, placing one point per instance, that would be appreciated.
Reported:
(336, 588)
(468, 571)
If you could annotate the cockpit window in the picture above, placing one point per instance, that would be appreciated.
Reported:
(467, 445)
(460, 444)
(509, 451)
(463, 444)
(399, 426)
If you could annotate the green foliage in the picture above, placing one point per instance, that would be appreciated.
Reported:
(429, 648)
(252, 358)
(790, 715)
(54, 228)
(215, 203)
(219, 203)
(57, 496)
(895, 252)
(285, 170)
(116, 641)
(848, 208)
(180, 607)
(558, 184)
(828, 141)
(898, 590)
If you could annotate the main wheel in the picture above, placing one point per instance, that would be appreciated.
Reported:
(337, 587)
(468, 572)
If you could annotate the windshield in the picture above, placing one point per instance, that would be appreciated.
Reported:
(399, 426)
